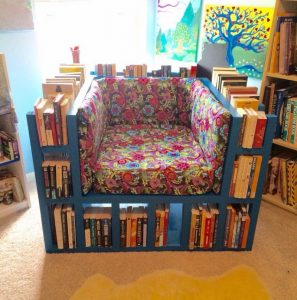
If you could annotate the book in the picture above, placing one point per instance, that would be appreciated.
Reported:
(58, 226)
(64, 106)
(39, 107)
(260, 129)
(244, 102)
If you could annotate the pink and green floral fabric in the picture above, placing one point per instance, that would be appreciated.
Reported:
(141, 100)
(92, 117)
(210, 127)
(143, 159)
(152, 136)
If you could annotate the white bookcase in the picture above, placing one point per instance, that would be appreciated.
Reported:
(8, 123)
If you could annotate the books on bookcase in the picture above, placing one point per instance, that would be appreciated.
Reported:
(237, 226)
(56, 177)
(106, 70)
(135, 71)
(161, 225)
(203, 227)
(281, 178)
(97, 226)
(133, 226)
(245, 175)
(64, 231)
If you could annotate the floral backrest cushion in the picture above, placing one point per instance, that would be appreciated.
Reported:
(185, 100)
(210, 126)
(92, 120)
(140, 100)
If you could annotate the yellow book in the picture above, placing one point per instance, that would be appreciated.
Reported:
(203, 217)
(256, 176)
(245, 102)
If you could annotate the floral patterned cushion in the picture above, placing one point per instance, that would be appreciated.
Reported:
(141, 100)
(92, 116)
(144, 159)
(210, 126)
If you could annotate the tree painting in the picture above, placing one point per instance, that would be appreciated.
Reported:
(244, 30)
(178, 24)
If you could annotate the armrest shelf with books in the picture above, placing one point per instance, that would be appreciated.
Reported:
(278, 93)
(163, 222)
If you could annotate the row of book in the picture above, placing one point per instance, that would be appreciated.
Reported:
(253, 127)
(57, 178)
(97, 226)
(245, 175)
(8, 147)
(10, 188)
(281, 178)
(63, 220)
(133, 226)
(59, 92)
(109, 70)
(280, 99)
(204, 224)
(237, 226)
(283, 54)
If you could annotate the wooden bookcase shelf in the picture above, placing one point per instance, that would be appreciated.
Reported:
(282, 7)
(7, 124)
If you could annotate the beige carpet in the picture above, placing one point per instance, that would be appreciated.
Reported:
(27, 272)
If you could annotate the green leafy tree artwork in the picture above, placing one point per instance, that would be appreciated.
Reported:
(178, 29)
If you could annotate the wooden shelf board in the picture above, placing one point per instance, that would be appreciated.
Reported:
(280, 76)
(282, 143)
(6, 210)
(276, 200)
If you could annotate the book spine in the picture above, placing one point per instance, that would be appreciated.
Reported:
(197, 231)
(52, 173)
(227, 226)
(284, 134)
(166, 226)
(58, 123)
(105, 232)
(87, 232)
(123, 225)
(192, 231)
(215, 230)
(93, 231)
(259, 133)
(207, 232)
(139, 232)
(48, 129)
(65, 182)
(99, 233)
(144, 238)
(294, 124)
(65, 228)
(133, 231)
(157, 230)
(233, 179)
(46, 180)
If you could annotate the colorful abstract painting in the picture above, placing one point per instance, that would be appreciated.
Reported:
(178, 23)
(244, 31)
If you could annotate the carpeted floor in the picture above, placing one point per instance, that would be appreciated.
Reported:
(27, 272)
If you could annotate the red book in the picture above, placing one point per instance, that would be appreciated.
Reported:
(207, 231)
(193, 71)
(165, 226)
(260, 129)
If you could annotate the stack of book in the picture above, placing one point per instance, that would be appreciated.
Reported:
(133, 226)
(59, 93)
(222, 78)
(253, 127)
(106, 70)
(64, 226)
(246, 170)
(281, 178)
(10, 188)
(281, 100)
(237, 226)
(97, 226)
(135, 71)
(57, 178)
(204, 224)
(284, 58)
(161, 225)
(8, 147)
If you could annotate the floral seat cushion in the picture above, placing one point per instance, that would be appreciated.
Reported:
(145, 159)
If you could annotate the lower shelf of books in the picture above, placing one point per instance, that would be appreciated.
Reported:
(148, 227)
(276, 200)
